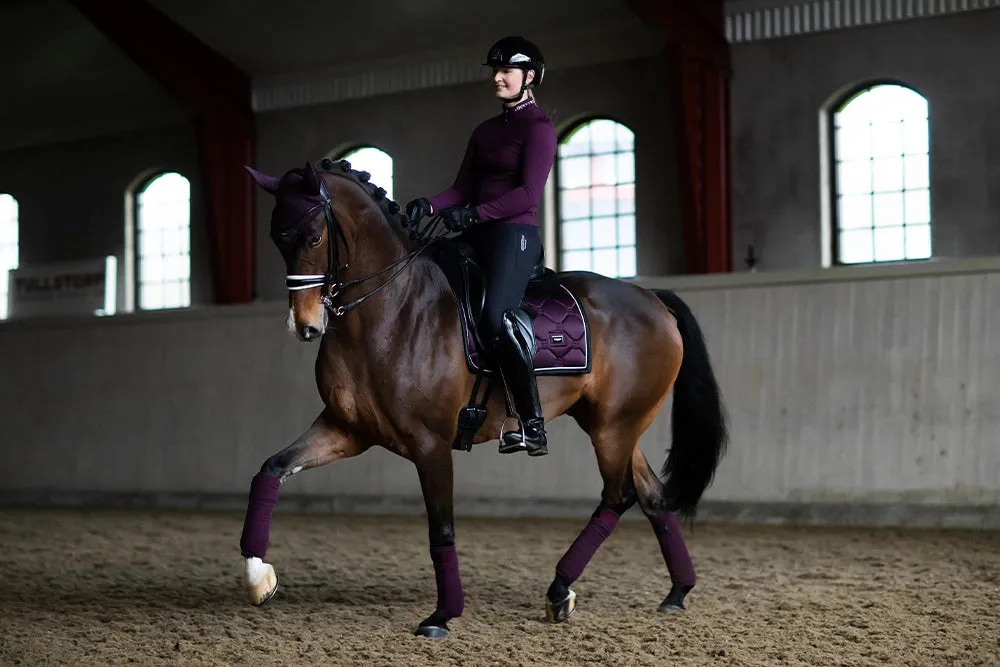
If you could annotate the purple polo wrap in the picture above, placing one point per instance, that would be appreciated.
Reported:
(571, 565)
(450, 598)
(257, 522)
(675, 553)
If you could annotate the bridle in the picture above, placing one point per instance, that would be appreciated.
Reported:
(331, 287)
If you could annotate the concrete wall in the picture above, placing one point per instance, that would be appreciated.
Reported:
(859, 396)
(780, 87)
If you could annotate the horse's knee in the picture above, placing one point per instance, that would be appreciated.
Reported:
(277, 466)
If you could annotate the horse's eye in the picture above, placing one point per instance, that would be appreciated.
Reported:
(314, 240)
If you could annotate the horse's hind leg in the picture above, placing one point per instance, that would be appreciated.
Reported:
(324, 442)
(613, 455)
(667, 531)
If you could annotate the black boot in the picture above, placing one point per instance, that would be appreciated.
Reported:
(515, 359)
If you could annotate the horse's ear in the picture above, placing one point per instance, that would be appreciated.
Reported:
(311, 179)
(269, 183)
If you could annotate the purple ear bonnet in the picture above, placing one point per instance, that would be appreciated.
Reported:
(296, 195)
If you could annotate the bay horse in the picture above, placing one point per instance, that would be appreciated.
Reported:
(395, 316)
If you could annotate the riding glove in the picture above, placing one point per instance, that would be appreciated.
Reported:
(417, 210)
(458, 218)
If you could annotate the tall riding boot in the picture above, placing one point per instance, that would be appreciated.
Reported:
(516, 366)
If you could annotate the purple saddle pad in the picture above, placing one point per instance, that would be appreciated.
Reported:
(562, 337)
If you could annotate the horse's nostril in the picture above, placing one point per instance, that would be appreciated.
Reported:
(309, 332)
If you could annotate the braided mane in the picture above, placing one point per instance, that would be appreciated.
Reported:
(389, 208)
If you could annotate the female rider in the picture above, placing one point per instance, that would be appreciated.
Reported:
(498, 190)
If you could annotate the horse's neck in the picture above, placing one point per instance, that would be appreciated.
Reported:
(409, 281)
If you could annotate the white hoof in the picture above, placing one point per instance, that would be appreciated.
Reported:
(261, 581)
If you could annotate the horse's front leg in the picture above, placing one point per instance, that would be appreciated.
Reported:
(324, 442)
(434, 467)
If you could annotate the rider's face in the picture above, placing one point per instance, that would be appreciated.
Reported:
(507, 80)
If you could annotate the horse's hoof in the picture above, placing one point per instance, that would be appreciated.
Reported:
(674, 602)
(670, 608)
(261, 581)
(432, 631)
(557, 612)
(434, 626)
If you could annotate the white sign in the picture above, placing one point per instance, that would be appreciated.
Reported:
(86, 287)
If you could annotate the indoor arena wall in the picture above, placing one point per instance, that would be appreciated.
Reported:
(854, 396)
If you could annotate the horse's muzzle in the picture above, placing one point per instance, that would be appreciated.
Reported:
(308, 333)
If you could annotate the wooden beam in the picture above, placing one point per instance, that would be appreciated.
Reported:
(220, 95)
(180, 62)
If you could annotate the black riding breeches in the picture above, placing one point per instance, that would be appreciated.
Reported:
(508, 254)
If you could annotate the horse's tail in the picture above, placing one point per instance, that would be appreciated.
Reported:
(699, 430)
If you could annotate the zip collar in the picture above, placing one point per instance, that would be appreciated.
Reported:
(519, 107)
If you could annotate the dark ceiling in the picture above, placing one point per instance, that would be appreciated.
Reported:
(64, 79)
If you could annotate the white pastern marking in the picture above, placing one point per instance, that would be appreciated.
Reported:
(256, 570)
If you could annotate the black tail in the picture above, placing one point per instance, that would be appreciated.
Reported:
(698, 419)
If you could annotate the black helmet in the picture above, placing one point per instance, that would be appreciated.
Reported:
(516, 51)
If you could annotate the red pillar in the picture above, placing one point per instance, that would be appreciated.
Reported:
(220, 94)
(225, 144)
(698, 60)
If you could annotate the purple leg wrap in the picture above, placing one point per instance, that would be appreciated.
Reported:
(675, 553)
(571, 565)
(257, 523)
(451, 600)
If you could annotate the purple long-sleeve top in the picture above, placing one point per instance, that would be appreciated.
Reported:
(506, 164)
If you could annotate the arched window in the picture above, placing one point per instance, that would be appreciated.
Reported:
(9, 247)
(596, 199)
(163, 242)
(376, 162)
(881, 152)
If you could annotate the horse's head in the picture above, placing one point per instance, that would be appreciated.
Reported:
(305, 231)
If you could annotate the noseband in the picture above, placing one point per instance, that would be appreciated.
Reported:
(328, 281)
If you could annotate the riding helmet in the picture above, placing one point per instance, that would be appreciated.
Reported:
(516, 51)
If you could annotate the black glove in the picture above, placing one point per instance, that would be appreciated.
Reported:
(458, 218)
(417, 210)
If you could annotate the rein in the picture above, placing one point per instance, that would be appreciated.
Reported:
(328, 281)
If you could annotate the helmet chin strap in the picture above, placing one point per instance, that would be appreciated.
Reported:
(515, 98)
